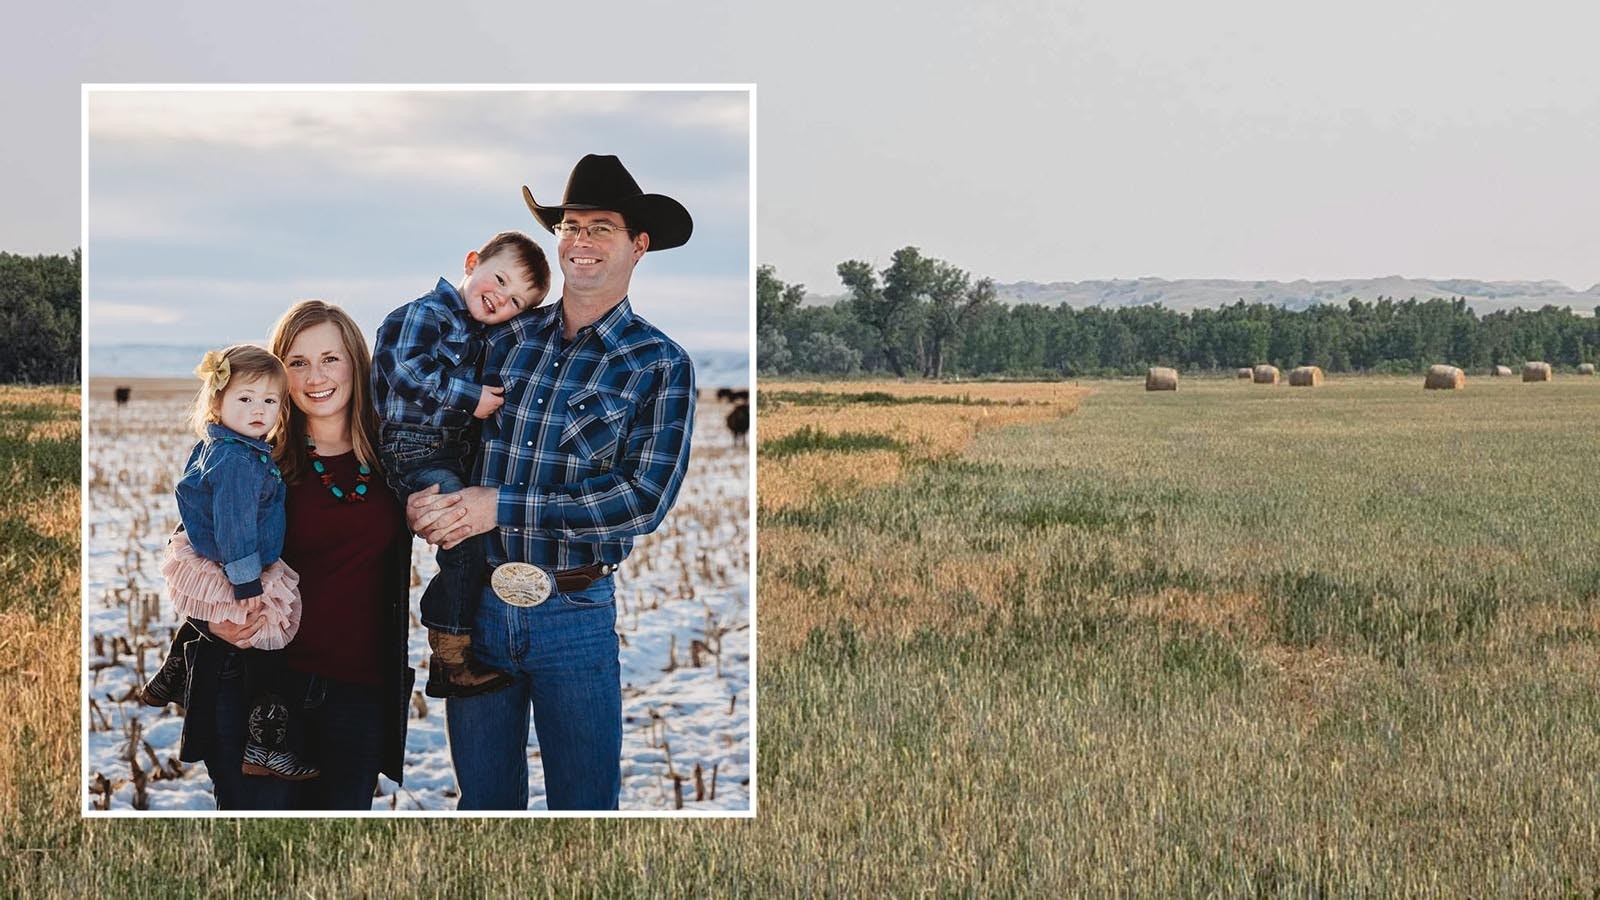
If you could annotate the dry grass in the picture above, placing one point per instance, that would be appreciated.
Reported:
(927, 431)
(39, 451)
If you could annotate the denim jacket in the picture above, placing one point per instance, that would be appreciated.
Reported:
(231, 502)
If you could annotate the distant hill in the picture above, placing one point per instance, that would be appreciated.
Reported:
(1191, 293)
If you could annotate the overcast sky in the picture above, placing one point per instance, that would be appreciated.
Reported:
(210, 211)
(1036, 139)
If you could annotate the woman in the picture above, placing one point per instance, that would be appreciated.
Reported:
(346, 538)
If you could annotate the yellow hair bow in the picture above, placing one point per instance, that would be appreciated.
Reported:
(214, 370)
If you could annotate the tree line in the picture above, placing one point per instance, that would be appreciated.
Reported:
(925, 317)
(41, 318)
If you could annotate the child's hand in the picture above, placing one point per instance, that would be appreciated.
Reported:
(489, 401)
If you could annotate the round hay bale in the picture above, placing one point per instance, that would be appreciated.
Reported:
(1586, 369)
(1445, 378)
(1161, 379)
(1246, 372)
(1264, 374)
(1501, 371)
(1537, 371)
(1306, 376)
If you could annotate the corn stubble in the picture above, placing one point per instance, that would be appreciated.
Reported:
(1280, 643)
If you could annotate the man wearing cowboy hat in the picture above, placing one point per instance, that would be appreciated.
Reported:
(587, 453)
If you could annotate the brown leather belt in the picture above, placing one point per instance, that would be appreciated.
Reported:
(569, 580)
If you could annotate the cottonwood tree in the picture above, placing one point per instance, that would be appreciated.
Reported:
(776, 304)
(893, 309)
(953, 304)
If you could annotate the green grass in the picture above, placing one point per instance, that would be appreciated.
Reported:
(1229, 641)
(1340, 641)
(809, 440)
(870, 398)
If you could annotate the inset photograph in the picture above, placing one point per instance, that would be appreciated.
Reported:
(416, 476)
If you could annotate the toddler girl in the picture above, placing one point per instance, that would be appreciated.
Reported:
(223, 566)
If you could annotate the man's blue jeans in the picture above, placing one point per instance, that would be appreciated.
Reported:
(563, 653)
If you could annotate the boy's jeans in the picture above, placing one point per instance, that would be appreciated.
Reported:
(414, 457)
(563, 653)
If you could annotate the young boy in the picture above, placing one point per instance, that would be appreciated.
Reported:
(429, 389)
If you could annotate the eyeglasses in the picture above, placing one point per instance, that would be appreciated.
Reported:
(599, 230)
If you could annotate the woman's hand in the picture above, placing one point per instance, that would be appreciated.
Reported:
(239, 635)
(445, 521)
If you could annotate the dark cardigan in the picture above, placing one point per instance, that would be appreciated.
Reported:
(205, 654)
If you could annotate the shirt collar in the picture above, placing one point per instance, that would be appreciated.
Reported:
(217, 432)
(609, 328)
(457, 305)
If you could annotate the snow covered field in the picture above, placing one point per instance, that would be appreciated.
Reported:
(683, 614)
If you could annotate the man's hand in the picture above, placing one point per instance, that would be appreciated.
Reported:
(489, 400)
(447, 520)
(240, 635)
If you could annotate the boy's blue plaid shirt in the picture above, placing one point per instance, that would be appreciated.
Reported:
(424, 363)
(592, 443)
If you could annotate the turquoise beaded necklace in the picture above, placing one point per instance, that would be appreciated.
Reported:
(363, 476)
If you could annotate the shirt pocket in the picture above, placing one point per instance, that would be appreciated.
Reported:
(596, 425)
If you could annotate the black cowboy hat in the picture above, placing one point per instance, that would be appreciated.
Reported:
(600, 182)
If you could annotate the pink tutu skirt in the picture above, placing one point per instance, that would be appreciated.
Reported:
(199, 588)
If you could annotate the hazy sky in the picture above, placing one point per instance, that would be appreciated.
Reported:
(210, 211)
(1035, 139)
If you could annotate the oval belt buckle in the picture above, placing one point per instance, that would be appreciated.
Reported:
(520, 584)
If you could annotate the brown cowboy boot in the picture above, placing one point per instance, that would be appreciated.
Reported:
(454, 672)
(167, 685)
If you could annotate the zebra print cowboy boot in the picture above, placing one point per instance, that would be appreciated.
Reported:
(266, 752)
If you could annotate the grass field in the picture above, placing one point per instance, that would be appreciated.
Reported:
(1026, 640)
(1238, 638)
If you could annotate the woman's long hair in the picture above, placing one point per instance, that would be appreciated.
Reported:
(360, 416)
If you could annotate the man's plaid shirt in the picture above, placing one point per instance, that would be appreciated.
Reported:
(593, 441)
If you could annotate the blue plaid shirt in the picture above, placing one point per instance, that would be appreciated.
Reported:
(424, 363)
(592, 443)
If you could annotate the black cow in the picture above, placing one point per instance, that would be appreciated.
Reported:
(739, 423)
(123, 393)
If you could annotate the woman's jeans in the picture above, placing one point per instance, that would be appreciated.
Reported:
(335, 725)
(563, 653)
